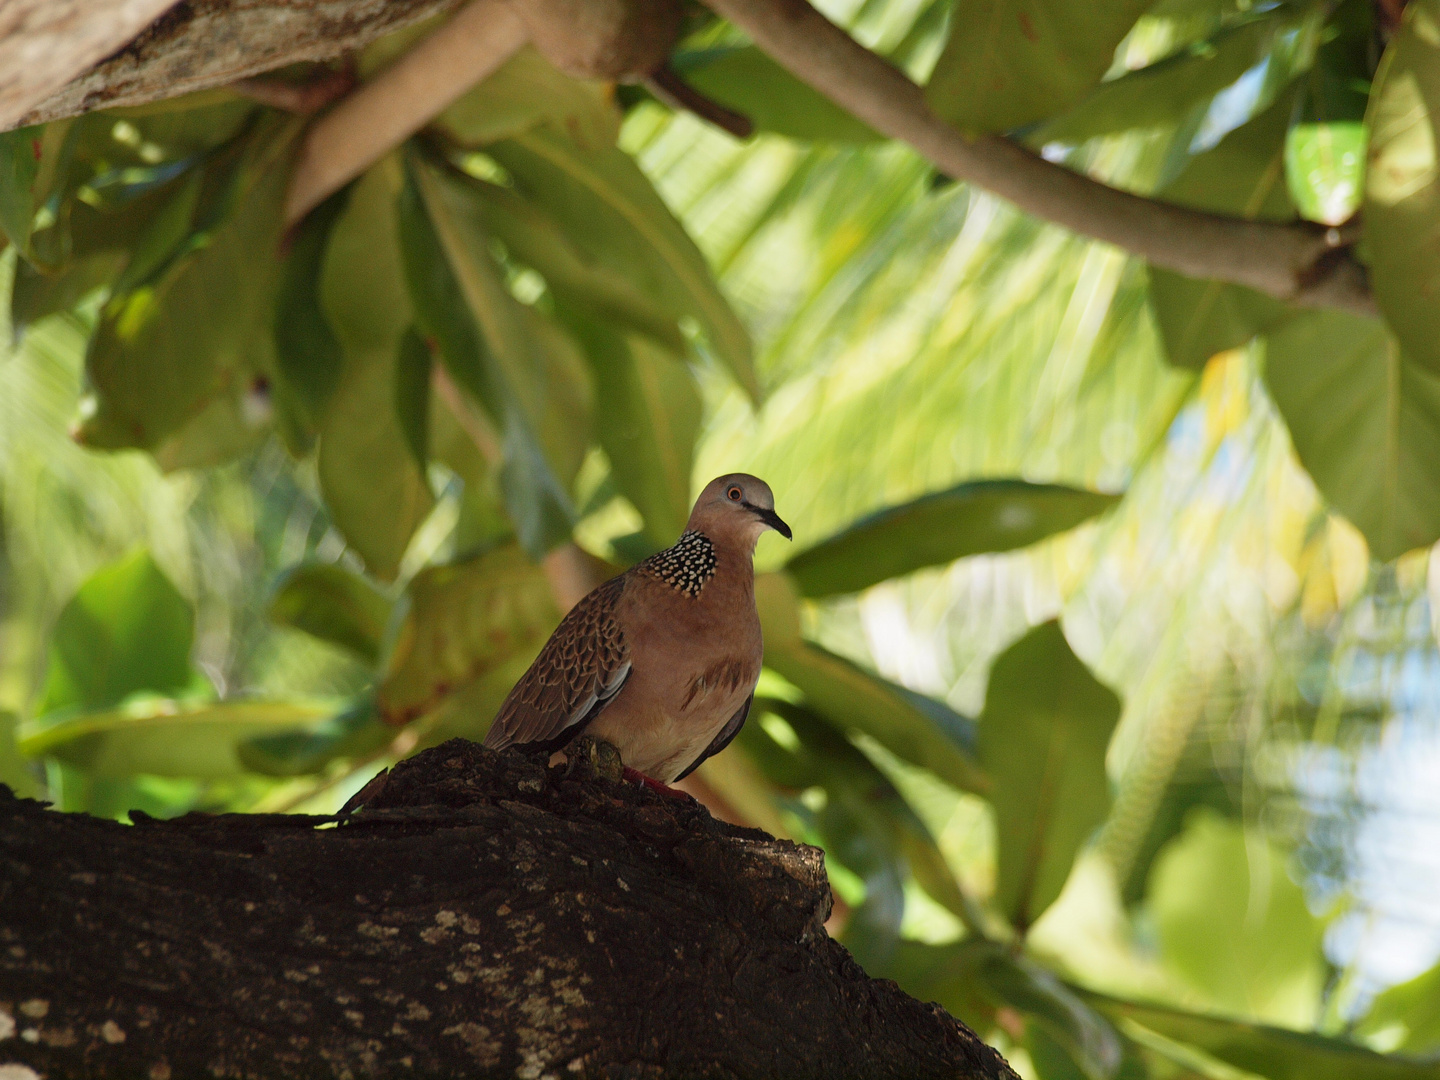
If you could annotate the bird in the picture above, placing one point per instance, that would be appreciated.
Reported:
(661, 661)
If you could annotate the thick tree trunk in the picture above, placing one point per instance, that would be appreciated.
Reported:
(482, 916)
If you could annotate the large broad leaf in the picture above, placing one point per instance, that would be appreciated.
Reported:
(1243, 175)
(1233, 925)
(1043, 737)
(127, 630)
(1009, 63)
(1402, 190)
(162, 737)
(647, 414)
(746, 80)
(607, 206)
(169, 344)
(1173, 89)
(527, 90)
(1414, 1008)
(464, 620)
(926, 734)
(516, 362)
(334, 605)
(351, 733)
(1365, 420)
(1273, 1052)
(984, 515)
(372, 484)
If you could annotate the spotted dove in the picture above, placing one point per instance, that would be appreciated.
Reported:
(661, 661)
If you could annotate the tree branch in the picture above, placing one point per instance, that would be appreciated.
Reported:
(1303, 263)
(481, 915)
(195, 45)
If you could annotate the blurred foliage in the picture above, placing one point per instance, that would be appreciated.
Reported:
(1103, 667)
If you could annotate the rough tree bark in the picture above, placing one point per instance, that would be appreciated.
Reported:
(483, 916)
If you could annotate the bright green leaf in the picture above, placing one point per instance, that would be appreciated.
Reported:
(127, 630)
(744, 79)
(1365, 420)
(1043, 737)
(608, 207)
(1412, 1006)
(980, 516)
(161, 737)
(1402, 189)
(334, 605)
(464, 620)
(1325, 169)
(1009, 63)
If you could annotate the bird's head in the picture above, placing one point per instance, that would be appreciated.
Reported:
(738, 506)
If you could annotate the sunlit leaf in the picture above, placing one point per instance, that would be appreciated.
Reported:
(161, 737)
(1402, 190)
(1009, 63)
(1414, 1008)
(1325, 169)
(1232, 923)
(980, 516)
(1043, 737)
(744, 79)
(860, 701)
(1365, 420)
(334, 605)
(1272, 1052)
(127, 630)
(605, 204)
(464, 620)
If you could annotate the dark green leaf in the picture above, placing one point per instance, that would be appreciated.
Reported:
(126, 631)
(1198, 319)
(334, 605)
(984, 515)
(308, 355)
(1402, 189)
(352, 733)
(746, 80)
(35, 294)
(1276, 1053)
(1365, 420)
(1009, 63)
(464, 620)
(1043, 737)
(857, 700)
(412, 396)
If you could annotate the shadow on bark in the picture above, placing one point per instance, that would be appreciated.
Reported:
(482, 916)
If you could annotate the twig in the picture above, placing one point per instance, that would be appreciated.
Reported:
(1299, 262)
(680, 96)
(380, 115)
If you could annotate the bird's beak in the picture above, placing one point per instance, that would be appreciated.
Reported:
(769, 517)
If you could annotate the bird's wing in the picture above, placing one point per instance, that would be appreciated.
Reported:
(578, 672)
(729, 731)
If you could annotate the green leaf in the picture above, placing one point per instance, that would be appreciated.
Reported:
(647, 413)
(1043, 737)
(1198, 319)
(1233, 925)
(234, 422)
(607, 206)
(1009, 63)
(464, 620)
(1365, 420)
(1273, 1052)
(127, 630)
(859, 701)
(980, 516)
(518, 364)
(1402, 188)
(1413, 1007)
(308, 355)
(20, 154)
(1325, 169)
(412, 396)
(162, 737)
(168, 346)
(526, 91)
(1169, 91)
(363, 291)
(744, 79)
(334, 605)
(35, 294)
(352, 733)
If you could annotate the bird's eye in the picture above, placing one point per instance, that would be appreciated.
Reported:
(734, 494)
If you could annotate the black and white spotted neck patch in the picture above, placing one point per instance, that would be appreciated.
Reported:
(687, 566)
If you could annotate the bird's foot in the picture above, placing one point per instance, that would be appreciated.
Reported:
(635, 776)
(596, 757)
